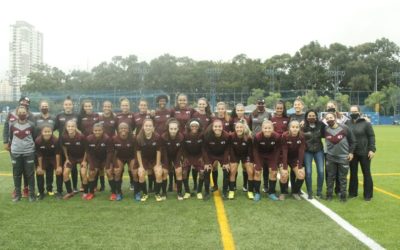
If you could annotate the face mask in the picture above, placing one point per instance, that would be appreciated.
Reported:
(22, 117)
(354, 116)
(331, 123)
(311, 120)
(333, 110)
(44, 111)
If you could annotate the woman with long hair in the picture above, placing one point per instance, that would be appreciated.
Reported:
(108, 119)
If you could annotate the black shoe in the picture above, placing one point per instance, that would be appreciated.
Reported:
(225, 194)
(102, 188)
(32, 198)
(59, 196)
(367, 198)
(206, 196)
(16, 198)
(41, 196)
(310, 196)
(329, 197)
(214, 188)
(343, 199)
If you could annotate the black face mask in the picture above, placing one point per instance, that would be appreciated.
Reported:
(355, 116)
(312, 120)
(332, 110)
(331, 123)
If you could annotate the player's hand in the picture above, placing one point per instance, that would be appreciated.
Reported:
(6, 147)
(226, 167)
(59, 170)
(39, 171)
(84, 164)
(350, 157)
(371, 155)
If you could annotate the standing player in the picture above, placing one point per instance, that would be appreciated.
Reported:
(87, 118)
(49, 159)
(241, 152)
(223, 116)
(22, 148)
(148, 154)
(141, 115)
(293, 147)
(124, 147)
(216, 151)
(73, 145)
(99, 149)
(192, 155)
(258, 116)
(172, 157)
(161, 114)
(266, 149)
(108, 119)
(340, 145)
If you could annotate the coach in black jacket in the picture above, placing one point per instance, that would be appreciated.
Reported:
(363, 153)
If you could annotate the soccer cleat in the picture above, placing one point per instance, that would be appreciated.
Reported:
(310, 197)
(132, 187)
(250, 195)
(68, 196)
(199, 196)
(81, 189)
(75, 191)
(225, 194)
(16, 198)
(89, 196)
(244, 189)
(113, 197)
(296, 197)
(273, 197)
(119, 197)
(50, 193)
(25, 192)
(231, 195)
(214, 188)
(41, 196)
(84, 196)
(186, 196)
(144, 197)
(137, 197)
(282, 197)
(59, 196)
(158, 197)
(257, 197)
(164, 197)
(329, 197)
(180, 197)
(32, 198)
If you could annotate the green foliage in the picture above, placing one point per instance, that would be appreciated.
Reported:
(343, 101)
(272, 99)
(255, 94)
(392, 94)
(376, 98)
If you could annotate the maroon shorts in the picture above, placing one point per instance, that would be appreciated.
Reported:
(74, 163)
(195, 161)
(237, 159)
(214, 158)
(124, 161)
(147, 164)
(48, 163)
(170, 164)
(267, 162)
(294, 163)
(96, 164)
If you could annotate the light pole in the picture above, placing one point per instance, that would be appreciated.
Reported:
(376, 79)
(271, 72)
(213, 75)
(397, 76)
(338, 76)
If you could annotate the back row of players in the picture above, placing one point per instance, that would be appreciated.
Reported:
(173, 142)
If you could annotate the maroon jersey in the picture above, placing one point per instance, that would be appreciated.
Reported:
(216, 147)
(226, 125)
(75, 146)
(86, 122)
(47, 149)
(192, 144)
(109, 124)
(160, 118)
(127, 118)
(139, 118)
(293, 150)
(99, 149)
(236, 119)
(280, 124)
(241, 149)
(172, 148)
(183, 116)
(203, 119)
(266, 147)
(124, 148)
(149, 147)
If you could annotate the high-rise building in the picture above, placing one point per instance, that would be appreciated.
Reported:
(26, 51)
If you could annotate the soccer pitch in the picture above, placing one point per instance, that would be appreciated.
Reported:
(194, 224)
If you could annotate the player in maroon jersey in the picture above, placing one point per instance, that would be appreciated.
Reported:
(223, 116)
(182, 112)
(293, 147)
(172, 142)
(141, 115)
(161, 114)
(87, 118)
(192, 153)
(126, 116)
(241, 152)
(73, 147)
(49, 157)
(216, 151)
(124, 154)
(266, 150)
(238, 114)
(99, 150)
(108, 119)
(204, 116)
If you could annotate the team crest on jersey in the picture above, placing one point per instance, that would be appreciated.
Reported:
(92, 145)
(289, 142)
(272, 143)
(103, 144)
(199, 141)
(112, 121)
(298, 141)
(223, 142)
(262, 143)
(187, 112)
(62, 119)
(284, 122)
(42, 147)
(118, 145)
(67, 143)
(178, 144)
(211, 143)
(78, 143)
(154, 143)
(235, 143)
(188, 141)
(244, 144)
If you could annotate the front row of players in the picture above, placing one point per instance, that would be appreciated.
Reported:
(195, 150)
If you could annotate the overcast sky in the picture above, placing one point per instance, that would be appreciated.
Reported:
(81, 34)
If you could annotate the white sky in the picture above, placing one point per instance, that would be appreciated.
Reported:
(80, 34)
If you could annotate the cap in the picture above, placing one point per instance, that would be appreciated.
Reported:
(25, 98)
(260, 100)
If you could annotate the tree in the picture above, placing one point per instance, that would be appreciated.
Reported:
(392, 94)
(255, 95)
(272, 99)
(376, 98)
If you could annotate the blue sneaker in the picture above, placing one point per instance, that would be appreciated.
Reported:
(273, 197)
(119, 197)
(257, 197)
(137, 197)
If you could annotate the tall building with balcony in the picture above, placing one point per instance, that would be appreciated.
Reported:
(25, 52)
